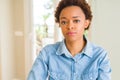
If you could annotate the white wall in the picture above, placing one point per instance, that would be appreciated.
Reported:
(18, 7)
(106, 30)
(6, 40)
(28, 36)
(0, 54)
(14, 29)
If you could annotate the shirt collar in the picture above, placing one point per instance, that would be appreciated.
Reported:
(88, 49)
(62, 49)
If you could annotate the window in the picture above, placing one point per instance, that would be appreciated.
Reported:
(43, 22)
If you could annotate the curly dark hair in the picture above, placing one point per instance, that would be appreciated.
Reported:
(81, 3)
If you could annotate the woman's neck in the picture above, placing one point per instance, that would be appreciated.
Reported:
(75, 47)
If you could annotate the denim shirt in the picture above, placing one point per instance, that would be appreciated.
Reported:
(55, 62)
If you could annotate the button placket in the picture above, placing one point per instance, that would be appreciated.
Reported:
(90, 76)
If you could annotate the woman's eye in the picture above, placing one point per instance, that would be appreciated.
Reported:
(76, 21)
(63, 22)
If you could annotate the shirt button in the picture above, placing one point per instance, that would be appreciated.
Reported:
(75, 61)
(74, 74)
(91, 78)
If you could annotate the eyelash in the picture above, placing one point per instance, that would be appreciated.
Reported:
(76, 21)
(65, 22)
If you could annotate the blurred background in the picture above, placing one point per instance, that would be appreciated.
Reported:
(26, 26)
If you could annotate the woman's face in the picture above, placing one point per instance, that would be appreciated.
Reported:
(73, 23)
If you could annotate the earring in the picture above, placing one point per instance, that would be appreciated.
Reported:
(86, 33)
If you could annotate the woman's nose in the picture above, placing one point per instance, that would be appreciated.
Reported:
(70, 25)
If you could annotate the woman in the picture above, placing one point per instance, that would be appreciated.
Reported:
(74, 58)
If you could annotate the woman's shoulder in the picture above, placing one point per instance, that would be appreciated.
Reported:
(99, 50)
(50, 48)
(97, 47)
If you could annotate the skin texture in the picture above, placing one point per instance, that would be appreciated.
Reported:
(73, 24)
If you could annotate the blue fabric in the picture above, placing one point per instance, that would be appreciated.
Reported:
(56, 63)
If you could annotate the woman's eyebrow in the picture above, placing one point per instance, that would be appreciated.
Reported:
(62, 17)
(76, 17)
(72, 17)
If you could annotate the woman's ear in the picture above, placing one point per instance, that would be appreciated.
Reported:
(87, 23)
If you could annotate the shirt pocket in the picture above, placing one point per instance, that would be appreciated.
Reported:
(90, 76)
(57, 76)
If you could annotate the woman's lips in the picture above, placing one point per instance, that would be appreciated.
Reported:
(71, 33)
